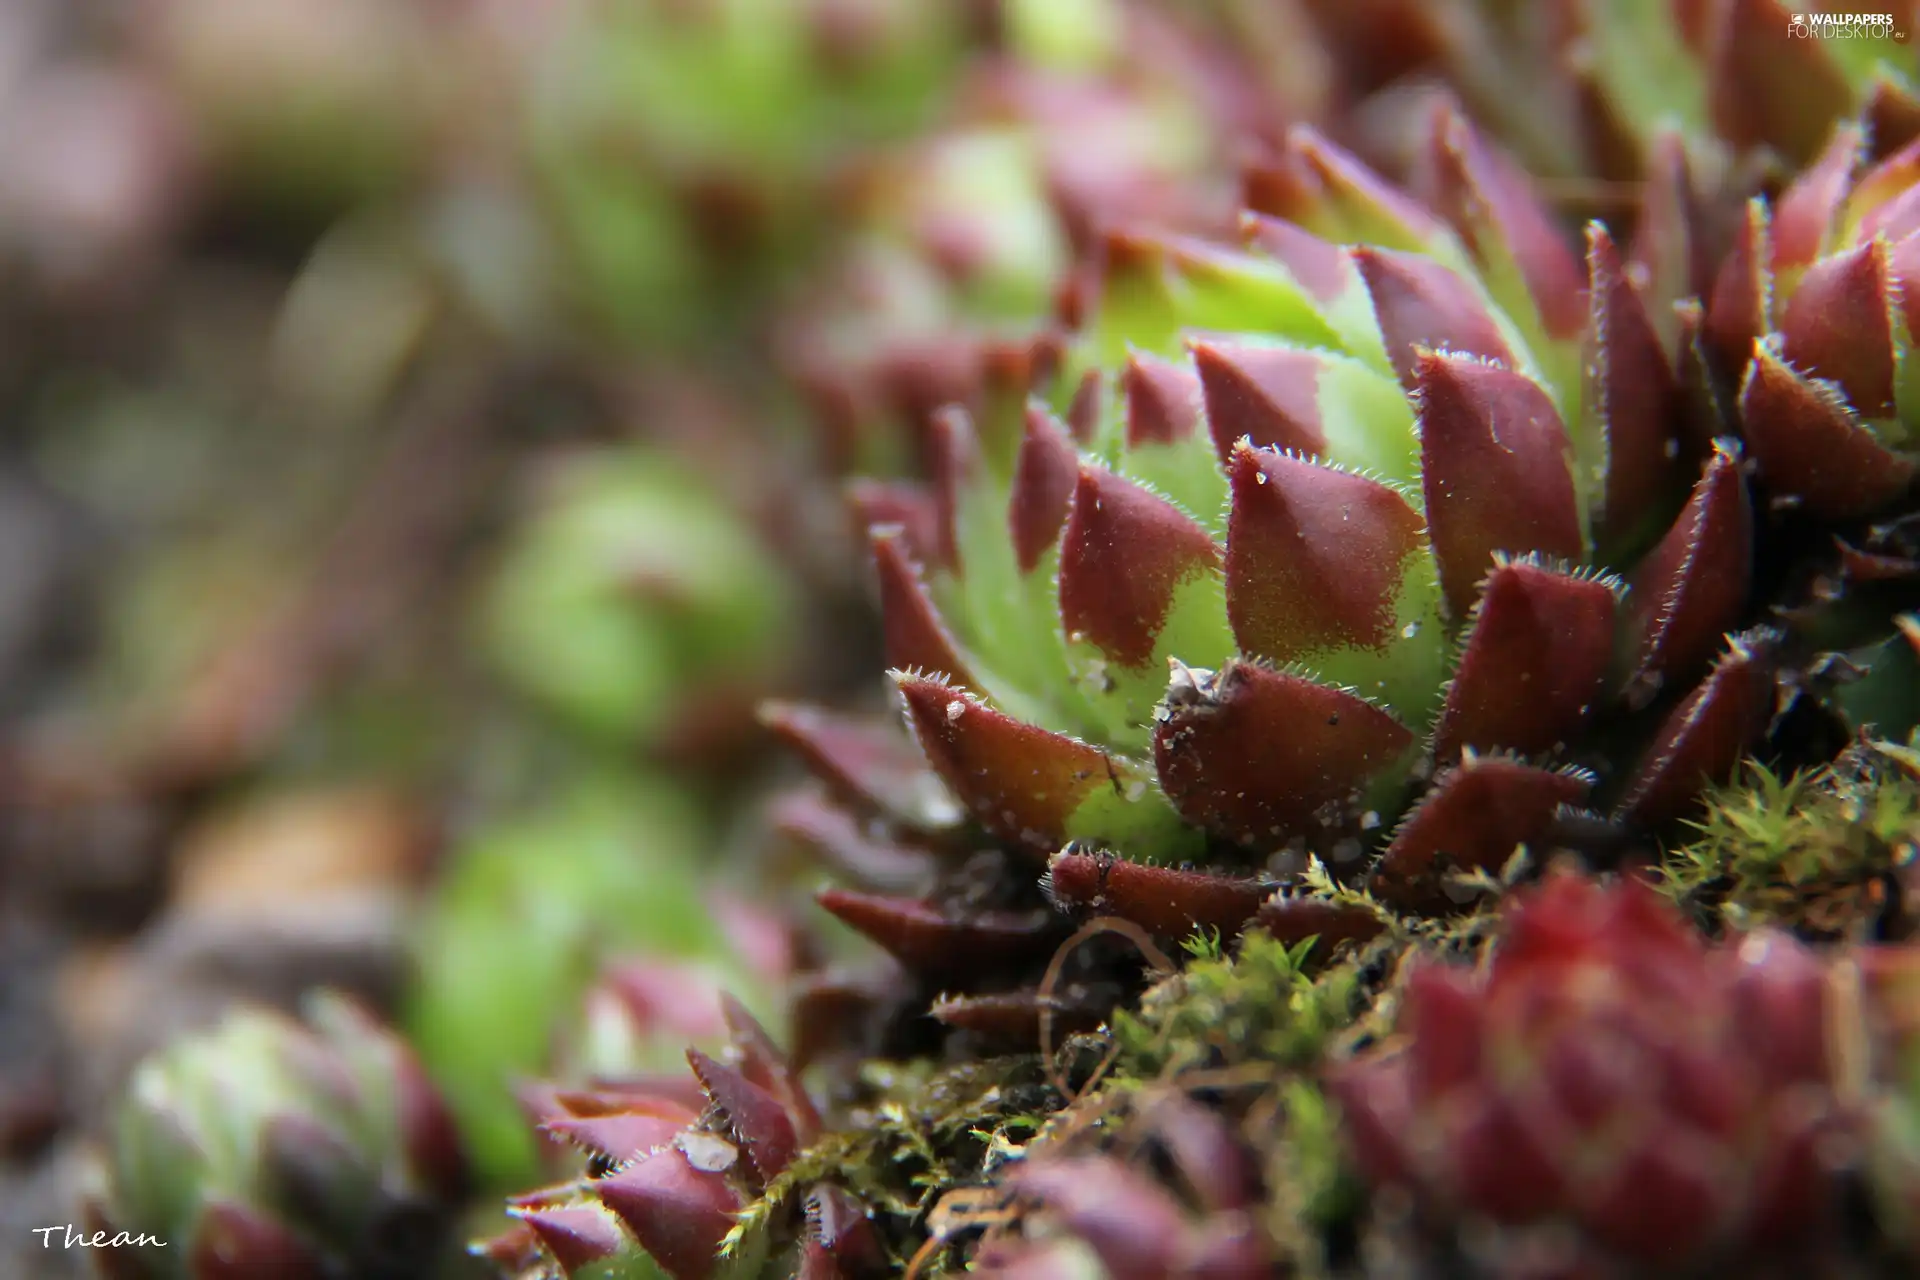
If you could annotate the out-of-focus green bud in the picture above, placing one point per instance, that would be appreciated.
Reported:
(626, 595)
(682, 146)
(269, 1147)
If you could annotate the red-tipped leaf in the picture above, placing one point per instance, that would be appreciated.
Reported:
(1496, 471)
(1259, 755)
(1162, 900)
(677, 1213)
(1124, 554)
(1269, 396)
(1422, 305)
(1021, 782)
(1690, 589)
(1535, 666)
(1315, 556)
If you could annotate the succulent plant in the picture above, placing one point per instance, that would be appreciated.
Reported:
(1426, 455)
(1814, 315)
(268, 1147)
(1279, 594)
(1099, 1216)
(674, 1161)
(600, 892)
(1611, 1087)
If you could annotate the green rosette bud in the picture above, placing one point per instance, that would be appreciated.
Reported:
(274, 1147)
(627, 592)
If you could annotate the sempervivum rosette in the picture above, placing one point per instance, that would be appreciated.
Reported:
(1367, 503)
(269, 1148)
(1611, 1096)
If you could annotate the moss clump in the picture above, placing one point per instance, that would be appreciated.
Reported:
(918, 1134)
(1825, 852)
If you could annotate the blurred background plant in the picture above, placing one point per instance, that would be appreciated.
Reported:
(420, 432)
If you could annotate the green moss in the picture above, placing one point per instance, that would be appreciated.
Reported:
(1813, 852)
(1260, 1005)
(920, 1132)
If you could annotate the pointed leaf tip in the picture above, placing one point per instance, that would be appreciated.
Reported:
(955, 464)
(1808, 211)
(1322, 268)
(576, 1235)
(1165, 901)
(881, 504)
(1162, 400)
(1496, 470)
(1422, 305)
(1740, 307)
(1632, 403)
(1490, 203)
(1044, 475)
(915, 636)
(753, 1116)
(1083, 413)
(1021, 782)
(1689, 591)
(1839, 325)
(1535, 665)
(1124, 554)
(1266, 395)
(1474, 818)
(957, 949)
(1810, 446)
(1703, 740)
(677, 1213)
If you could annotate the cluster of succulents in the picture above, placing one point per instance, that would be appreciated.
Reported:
(1321, 632)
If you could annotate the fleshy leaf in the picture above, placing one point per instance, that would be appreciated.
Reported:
(1810, 446)
(1535, 666)
(1424, 305)
(1838, 325)
(1032, 787)
(677, 1213)
(1139, 579)
(1162, 400)
(1331, 570)
(914, 635)
(752, 1115)
(1704, 739)
(1312, 403)
(958, 948)
(1495, 468)
(1043, 481)
(1474, 818)
(576, 1235)
(1690, 589)
(1162, 900)
(1633, 465)
(1260, 756)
